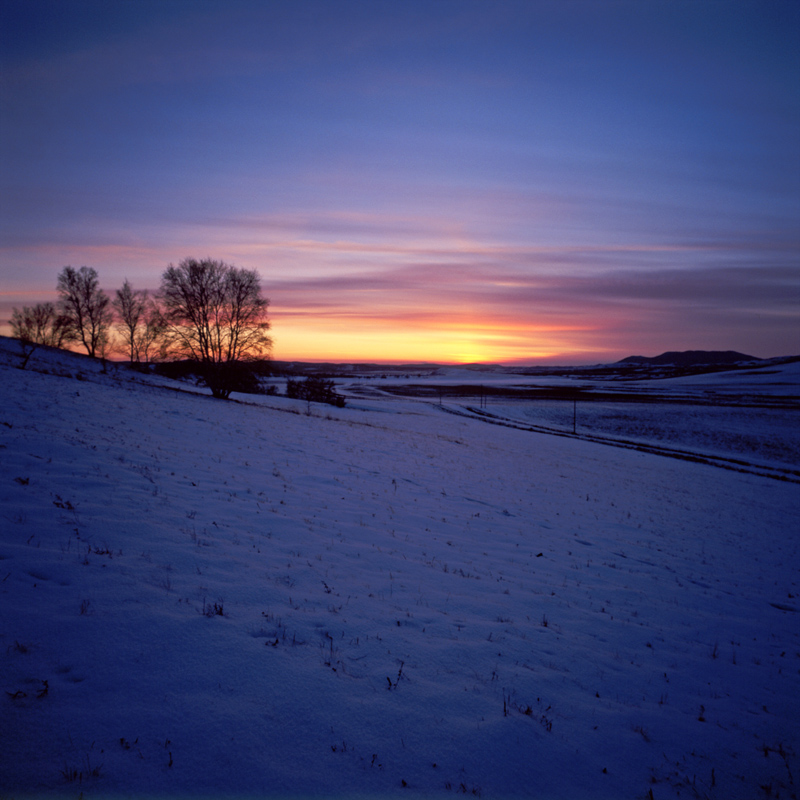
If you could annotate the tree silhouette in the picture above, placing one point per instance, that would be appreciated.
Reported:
(130, 306)
(214, 314)
(139, 320)
(85, 305)
(39, 325)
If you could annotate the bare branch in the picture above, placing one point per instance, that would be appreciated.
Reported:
(85, 305)
(130, 307)
(214, 314)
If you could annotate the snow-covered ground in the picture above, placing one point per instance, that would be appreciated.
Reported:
(769, 436)
(210, 598)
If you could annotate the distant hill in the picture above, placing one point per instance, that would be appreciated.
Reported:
(692, 358)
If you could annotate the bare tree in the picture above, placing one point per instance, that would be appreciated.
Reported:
(130, 306)
(39, 325)
(86, 306)
(214, 314)
(150, 332)
(139, 320)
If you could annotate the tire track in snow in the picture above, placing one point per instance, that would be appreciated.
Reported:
(734, 464)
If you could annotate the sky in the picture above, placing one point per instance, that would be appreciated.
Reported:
(519, 182)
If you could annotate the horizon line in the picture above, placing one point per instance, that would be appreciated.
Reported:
(552, 362)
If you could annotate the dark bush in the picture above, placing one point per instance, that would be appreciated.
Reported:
(233, 376)
(316, 390)
(178, 370)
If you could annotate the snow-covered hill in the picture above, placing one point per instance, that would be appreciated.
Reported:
(208, 598)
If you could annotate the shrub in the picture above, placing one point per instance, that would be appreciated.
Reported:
(316, 390)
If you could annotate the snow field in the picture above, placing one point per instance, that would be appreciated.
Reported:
(207, 598)
(761, 435)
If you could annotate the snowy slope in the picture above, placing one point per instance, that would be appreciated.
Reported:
(206, 598)
(771, 380)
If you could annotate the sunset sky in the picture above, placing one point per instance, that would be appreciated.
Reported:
(571, 181)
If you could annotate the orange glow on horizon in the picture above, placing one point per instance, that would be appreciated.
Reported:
(451, 339)
(402, 334)
(393, 335)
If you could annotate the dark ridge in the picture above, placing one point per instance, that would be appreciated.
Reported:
(692, 358)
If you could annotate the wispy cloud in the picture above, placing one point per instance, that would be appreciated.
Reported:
(541, 178)
(536, 313)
